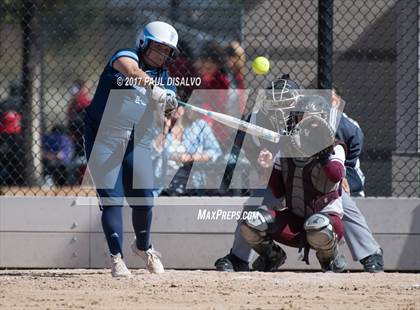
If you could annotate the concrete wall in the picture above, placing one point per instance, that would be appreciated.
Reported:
(64, 232)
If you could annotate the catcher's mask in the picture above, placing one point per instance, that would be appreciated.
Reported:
(280, 96)
(308, 125)
(310, 105)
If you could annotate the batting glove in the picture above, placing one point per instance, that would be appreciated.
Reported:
(158, 94)
(171, 104)
(167, 101)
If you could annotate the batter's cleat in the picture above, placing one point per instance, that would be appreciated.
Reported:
(151, 257)
(374, 263)
(270, 261)
(118, 267)
(337, 265)
(231, 263)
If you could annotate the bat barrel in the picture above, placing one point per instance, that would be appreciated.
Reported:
(236, 123)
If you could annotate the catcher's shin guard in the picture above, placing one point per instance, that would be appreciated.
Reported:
(256, 232)
(322, 238)
(271, 256)
(255, 229)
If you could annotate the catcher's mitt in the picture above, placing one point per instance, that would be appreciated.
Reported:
(312, 135)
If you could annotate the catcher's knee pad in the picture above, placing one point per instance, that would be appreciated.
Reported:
(252, 236)
(321, 237)
(256, 227)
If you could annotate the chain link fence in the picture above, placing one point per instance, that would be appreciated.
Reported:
(53, 52)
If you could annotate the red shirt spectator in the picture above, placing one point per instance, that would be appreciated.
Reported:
(210, 67)
(235, 63)
(182, 67)
(11, 123)
(80, 101)
(81, 98)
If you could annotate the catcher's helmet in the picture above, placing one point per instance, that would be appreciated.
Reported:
(284, 92)
(305, 106)
(308, 125)
(277, 99)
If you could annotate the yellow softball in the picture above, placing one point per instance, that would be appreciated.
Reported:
(261, 65)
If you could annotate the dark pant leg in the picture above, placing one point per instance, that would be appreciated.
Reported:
(142, 222)
(110, 199)
(138, 184)
(112, 225)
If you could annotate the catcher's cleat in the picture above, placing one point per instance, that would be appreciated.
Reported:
(118, 267)
(151, 257)
(374, 263)
(231, 263)
(271, 260)
(337, 265)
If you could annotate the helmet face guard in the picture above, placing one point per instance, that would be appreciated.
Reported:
(284, 92)
(277, 100)
(306, 107)
(169, 58)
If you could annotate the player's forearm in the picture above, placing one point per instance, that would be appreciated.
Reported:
(130, 69)
(141, 77)
(197, 157)
(159, 142)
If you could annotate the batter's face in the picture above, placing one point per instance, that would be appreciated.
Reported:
(156, 54)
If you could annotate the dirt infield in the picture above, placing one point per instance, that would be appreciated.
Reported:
(95, 289)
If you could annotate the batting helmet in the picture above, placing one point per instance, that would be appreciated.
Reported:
(159, 32)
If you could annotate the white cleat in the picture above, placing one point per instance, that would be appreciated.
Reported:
(118, 267)
(150, 257)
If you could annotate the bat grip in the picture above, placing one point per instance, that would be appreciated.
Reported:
(182, 103)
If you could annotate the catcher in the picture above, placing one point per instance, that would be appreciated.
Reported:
(310, 185)
(284, 93)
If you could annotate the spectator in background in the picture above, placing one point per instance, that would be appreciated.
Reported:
(57, 153)
(235, 63)
(11, 139)
(211, 67)
(80, 101)
(182, 67)
(235, 106)
(13, 101)
(187, 141)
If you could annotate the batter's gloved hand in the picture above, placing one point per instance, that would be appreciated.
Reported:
(167, 101)
(171, 104)
(158, 94)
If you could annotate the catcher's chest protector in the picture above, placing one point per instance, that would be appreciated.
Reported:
(308, 190)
